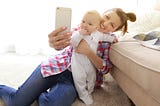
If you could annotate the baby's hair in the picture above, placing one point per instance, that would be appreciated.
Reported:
(96, 13)
(124, 17)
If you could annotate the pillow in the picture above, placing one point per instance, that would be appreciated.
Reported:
(150, 39)
(157, 5)
(146, 21)
(148, 36)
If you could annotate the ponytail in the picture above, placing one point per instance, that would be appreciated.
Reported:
(124, 17)
(131, 17)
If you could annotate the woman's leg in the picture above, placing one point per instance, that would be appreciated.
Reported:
(61, 94)
(29, 91)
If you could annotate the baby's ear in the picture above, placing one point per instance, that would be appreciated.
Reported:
(98, 27)
(101, 21)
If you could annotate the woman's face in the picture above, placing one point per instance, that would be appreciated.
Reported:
(110, 22)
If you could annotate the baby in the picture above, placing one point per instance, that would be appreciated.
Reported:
(84, 72)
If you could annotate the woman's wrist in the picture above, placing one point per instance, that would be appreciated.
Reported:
(96, 60)
(88, 52)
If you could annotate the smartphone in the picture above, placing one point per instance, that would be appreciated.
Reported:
(63, 18)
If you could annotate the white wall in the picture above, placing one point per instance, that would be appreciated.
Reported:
(25, 24)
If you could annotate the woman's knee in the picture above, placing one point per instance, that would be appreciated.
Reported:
(59, 95)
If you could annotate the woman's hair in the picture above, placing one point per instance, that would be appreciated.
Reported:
(124, 17)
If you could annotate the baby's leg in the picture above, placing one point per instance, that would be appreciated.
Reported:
(91, 80)
(79, 77)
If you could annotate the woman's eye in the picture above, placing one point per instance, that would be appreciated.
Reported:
(107, 17)
(112, 26)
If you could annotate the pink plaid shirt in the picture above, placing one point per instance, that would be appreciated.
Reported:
(56, 64)
(60, 62)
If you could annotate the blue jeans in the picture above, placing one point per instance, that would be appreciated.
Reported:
(56, 90)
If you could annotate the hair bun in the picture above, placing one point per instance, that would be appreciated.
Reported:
(131, 17)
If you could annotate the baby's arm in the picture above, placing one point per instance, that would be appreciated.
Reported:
(109, 38)
(83, 32)
(75, 39)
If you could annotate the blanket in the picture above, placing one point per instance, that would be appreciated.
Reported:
(150, 39)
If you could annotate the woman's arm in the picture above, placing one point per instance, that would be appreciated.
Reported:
(97, 61)
(84, 48)
(58, 39)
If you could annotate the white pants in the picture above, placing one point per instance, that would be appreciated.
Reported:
(84, 75)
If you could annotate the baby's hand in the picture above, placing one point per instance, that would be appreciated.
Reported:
(83, 32)
(115, 40)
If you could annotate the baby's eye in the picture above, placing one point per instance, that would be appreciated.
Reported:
(90, 24)
(83, 21)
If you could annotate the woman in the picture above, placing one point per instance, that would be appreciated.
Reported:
(61, 87)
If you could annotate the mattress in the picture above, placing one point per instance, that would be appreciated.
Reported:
(140, 64)
(136, 93)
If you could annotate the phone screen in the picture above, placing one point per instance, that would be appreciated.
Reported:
(63, 17)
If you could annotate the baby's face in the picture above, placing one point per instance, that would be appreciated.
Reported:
(90, 23)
